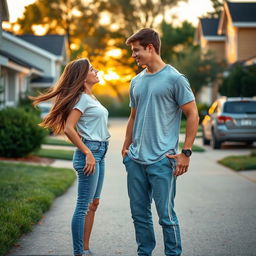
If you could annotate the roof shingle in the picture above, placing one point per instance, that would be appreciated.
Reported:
(51, 43)
(242, 11)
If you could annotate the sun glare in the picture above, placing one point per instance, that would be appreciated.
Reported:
(39, 30)
(104, 18)
(111, 76)
(114, 53)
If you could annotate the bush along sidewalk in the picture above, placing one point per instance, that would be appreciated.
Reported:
(19, 132)
(26, 192)
(240, 163)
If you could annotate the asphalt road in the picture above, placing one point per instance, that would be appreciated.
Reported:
(216, 208)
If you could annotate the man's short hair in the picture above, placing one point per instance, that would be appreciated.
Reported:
(145, 37)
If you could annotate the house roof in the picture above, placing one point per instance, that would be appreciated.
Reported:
(209, 26)
(242, 11)
(19, 61)
(51, 43)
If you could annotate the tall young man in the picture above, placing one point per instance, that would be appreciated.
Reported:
(158, 95)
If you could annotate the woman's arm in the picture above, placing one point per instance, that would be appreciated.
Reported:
(72, 134)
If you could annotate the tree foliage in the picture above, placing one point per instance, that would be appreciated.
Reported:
(240, 82)
(218, 7)
(200, 68)
(132, 15)
(175, 39)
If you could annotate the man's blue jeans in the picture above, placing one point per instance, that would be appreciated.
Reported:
(89, 188)
(144, 183)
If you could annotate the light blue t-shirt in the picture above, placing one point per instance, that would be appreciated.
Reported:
(92, 124)
(157, 99)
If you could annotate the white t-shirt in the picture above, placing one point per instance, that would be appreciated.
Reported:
(92, 124)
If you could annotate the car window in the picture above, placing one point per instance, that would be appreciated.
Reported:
(240, 107)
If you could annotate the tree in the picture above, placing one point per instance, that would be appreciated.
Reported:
(240, 82)
(175, 39)
(74, 18)
(218, 7)
(132, 15)
(200, 69)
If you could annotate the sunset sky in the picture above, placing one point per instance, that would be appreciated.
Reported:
(190, 10)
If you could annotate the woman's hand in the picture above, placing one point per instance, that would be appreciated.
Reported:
(90, 165)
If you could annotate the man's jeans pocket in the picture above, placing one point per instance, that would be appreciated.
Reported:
(126, 159)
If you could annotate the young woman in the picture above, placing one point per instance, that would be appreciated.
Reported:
(78, 114)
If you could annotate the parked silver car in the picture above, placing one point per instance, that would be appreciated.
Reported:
(230, 119)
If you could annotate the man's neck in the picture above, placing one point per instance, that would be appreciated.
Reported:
(155, 65)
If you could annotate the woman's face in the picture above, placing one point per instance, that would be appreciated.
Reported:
(92, 77)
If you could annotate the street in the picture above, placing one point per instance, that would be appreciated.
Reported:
(216, 208)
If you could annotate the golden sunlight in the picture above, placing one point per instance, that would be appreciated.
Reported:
(6, 25)
(117, 53)
(39, 30)
(111, 76)
(76, 13)
(74, 46)
(104, 18)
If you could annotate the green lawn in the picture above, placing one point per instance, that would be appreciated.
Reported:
(195, 148)
(55, 153)
(57, 142)
(26, 192)
(239, 163)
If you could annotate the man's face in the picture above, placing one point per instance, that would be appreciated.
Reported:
(140, 54)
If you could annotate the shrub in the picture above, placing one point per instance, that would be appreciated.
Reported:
(19, 132)
(26, 104)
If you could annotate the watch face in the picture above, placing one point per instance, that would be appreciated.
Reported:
(187, 152)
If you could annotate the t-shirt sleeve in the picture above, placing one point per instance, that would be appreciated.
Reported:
(182, 91)
(82, 104)
(132, 99)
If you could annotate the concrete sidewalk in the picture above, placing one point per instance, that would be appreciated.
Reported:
(215, 205)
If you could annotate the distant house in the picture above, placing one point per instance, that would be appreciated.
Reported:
(231, 38)
(28, 62)
(238, 23)
(208, 38)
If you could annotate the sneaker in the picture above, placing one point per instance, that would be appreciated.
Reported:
(87, 253)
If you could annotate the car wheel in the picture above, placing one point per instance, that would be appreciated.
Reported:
(205, 141)
(216, 144)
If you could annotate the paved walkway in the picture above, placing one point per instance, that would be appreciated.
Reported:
(216, 207)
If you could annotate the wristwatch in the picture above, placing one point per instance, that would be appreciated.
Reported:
(186, 152)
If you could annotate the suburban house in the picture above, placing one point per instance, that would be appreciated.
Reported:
(231, 38)
(28, 62)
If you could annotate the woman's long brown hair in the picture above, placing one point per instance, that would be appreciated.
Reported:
(66, 93)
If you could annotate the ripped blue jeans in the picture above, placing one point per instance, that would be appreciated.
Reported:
(89, 188)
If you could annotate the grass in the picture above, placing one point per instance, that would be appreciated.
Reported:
(57, 142)
(239, 163)
(195, 148)
(26, 192)
(55, 153)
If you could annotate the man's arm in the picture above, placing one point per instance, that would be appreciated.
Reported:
(128, 134)
(191, 113)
